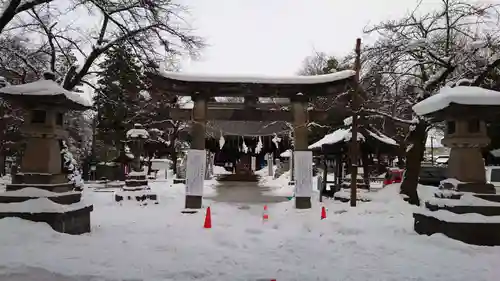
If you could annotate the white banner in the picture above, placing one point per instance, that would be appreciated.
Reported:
(303, 173)
(254, 163)
(195, 172)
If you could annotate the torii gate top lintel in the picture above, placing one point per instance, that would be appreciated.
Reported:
(229, 86)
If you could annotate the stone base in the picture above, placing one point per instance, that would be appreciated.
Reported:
(485, 188)
(58, 187)
(193, 202)
(465, 209)
(177, 181)
(290, 183)
(239, 177)
(65, 199)
(483, 234)
(72, 222)
(39, 178)
(345, 200)
(489, 197)
(140, 196)
(303, 203)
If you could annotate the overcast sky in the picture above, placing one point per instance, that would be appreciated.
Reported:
(272, 37)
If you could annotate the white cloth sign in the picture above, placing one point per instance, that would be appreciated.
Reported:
(195, 172)
(303, 173)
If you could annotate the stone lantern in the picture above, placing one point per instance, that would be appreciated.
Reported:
(465, 110)
(136, 138)
(136, 185)
(41, 175)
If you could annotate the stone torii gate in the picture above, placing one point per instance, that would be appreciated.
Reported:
(299, 90)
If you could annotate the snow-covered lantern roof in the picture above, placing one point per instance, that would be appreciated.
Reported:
(137, 133)
(461, 102)
(46, 92)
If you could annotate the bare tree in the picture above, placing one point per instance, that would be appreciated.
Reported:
(153, 29)
(12, 8)
(420, 53)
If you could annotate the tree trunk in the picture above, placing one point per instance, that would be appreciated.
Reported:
(414, 157)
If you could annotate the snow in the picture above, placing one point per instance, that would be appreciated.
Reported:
(158, 242)
(286, 154)
(454, 182)
(448, 216)
(465, 200)
(218, 170)
(137, 133)
(35, 192)
(464, 95)
(382, 138)
(44, 88)
(335, 137)
(316, 79)
(40, 205)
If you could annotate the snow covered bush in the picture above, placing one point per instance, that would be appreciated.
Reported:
(69, 166)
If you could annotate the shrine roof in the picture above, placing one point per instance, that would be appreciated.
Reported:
(45, 91)
(458, 101)
(264, 86)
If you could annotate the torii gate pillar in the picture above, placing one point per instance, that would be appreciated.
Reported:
(302, 158)
(196, 157)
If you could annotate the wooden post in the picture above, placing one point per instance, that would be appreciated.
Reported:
(354, 140)
(302, 156)
(325, 178)
(196, 158)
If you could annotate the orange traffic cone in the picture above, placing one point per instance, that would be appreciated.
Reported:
(208, 219)
(323, 213)
(265, 216)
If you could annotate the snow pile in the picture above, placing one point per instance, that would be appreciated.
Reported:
(44, 88)
(316, 79)
(35, 192)
(137, 133)
(40, 205)
(218, 170)
(292, 245)
(287, 153)
(465, 95)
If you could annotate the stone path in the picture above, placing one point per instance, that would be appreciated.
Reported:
(244, 192)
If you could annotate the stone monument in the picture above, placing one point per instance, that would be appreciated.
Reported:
(40, 190)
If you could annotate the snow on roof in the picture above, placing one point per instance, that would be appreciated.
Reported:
(44, 88)
(335, 137)
(137, 133)
(465, 95)
(40, 205)
(316, 79)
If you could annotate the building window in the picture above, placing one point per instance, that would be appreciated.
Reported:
(59, 119)
(38, 117)
(450, 127)
(473, 126)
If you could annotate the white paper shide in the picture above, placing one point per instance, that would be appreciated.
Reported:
(195, 171)
(303, 173)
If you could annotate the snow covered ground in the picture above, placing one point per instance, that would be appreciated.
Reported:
(374, 241)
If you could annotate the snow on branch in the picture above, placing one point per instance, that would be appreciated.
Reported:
(383, 114)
